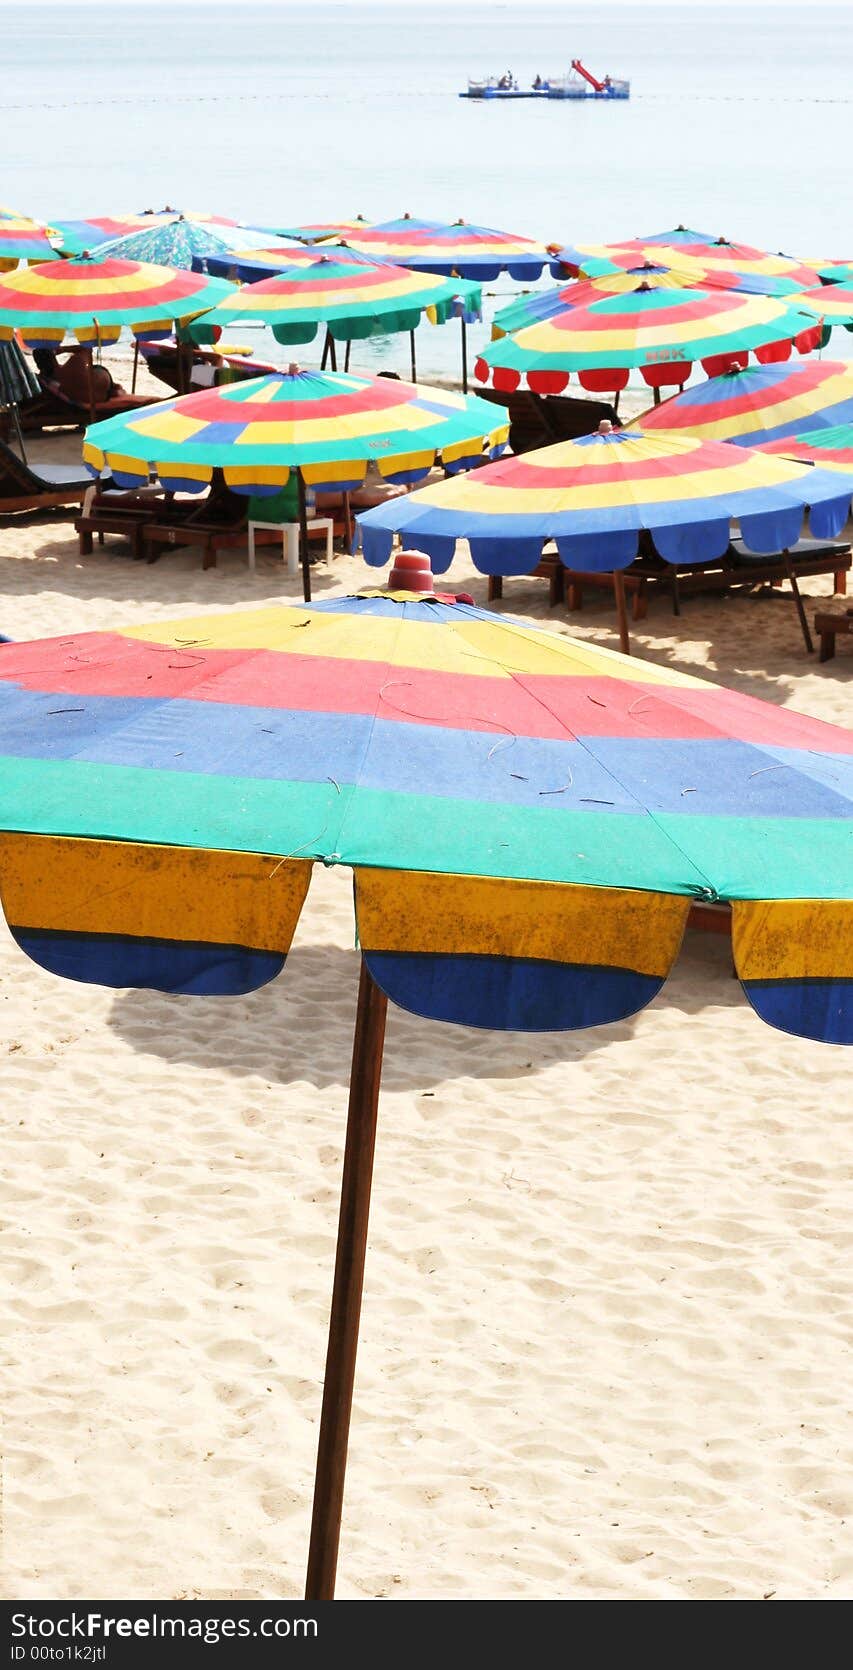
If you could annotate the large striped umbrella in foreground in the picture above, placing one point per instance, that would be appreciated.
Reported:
(95, 300)
(457, 249)
(528, 821)
(328, 426)
(594, 496)
(353, 302)
(660, 332)
(759, 403)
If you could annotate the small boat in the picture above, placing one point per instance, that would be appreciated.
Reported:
(577, 83)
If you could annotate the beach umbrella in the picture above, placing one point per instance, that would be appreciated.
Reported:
(595, 495)
(528, 821)
(830, 448)
(17, 385)
(735, 264)
(78, 237)
(328, 426)
(833, 272)
(757, 279)
(758, 403)
(544, 304)
(833, 303)
(353, 302)
(660, 332)
(168, 243)
(94, 300)
(320, 230)
(251, 265)
(22, 239)
(458, 249)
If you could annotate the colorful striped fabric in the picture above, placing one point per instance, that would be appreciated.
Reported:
(735, 265)
(77, 237)
(23, 240)
(352, 301)
(528, 819)
(328, 424)
(93, 300)
(593, 496)
(252, 265)
(319, 231)
(460, 250)
(172, 243)
(831, 448)
(663, 332)
(833, 303)
(834, 272)
(758, 404)
(545, 304)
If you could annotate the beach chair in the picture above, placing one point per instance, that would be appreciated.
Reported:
(39, 487)
(220, 520)
(65, 400)
(537, 420)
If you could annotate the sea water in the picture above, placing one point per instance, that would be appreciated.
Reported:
(740, 122)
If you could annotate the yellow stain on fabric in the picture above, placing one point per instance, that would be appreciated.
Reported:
(482, 648)
(151, 892)
(457, 915)
(793, 939)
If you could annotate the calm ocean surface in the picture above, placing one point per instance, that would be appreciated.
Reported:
(740, 121)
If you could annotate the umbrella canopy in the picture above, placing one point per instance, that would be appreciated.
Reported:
(252, 265)
(76, 237)
(736, 266)
(569, 853)
(662, 332)
(834, 272)
(545, 304)
(528, 821)
(833, 303)
(352, 301)
(830, 448)
(459, 249)
(93, 300)
(176, 243)
(319, 230)
(594, 495)
(23, 240)
(759, 403)
(329, 425)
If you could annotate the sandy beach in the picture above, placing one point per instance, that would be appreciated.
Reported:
(605, 1342)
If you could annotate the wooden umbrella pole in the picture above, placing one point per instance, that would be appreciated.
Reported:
(303, 539)
(365, 1076)
(347, 353)
(325, 354)
(804, 625)
(621, 611)
(414, 361)
(464, 356)
(333, 358)
(135, 364)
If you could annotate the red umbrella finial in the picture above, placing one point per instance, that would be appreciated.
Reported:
(412, 571)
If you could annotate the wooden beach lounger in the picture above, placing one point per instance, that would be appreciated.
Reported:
(30, 487)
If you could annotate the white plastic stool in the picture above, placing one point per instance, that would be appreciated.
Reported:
(290, 540)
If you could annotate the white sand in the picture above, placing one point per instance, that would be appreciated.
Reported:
(606, 1332)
